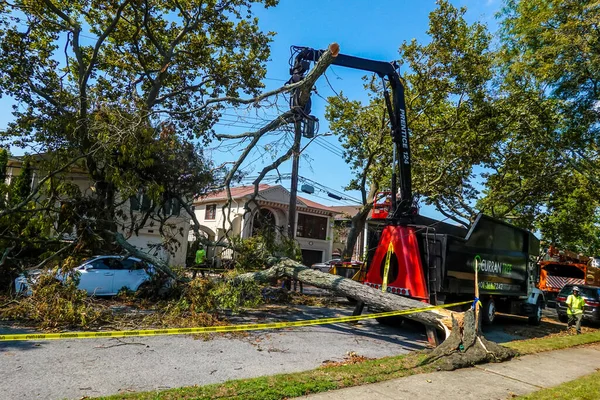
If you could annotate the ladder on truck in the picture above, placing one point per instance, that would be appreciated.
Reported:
(432, 254)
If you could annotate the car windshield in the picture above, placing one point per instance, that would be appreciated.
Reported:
(587, 292)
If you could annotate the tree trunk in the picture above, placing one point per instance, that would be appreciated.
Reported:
(375, 299)
(357, 226)
(359, 220)
(463, 345)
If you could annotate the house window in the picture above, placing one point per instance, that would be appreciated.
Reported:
(311, 226)
(171, 207)
(141, 202)
(211, 211)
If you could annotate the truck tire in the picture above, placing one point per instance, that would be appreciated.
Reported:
(536, 318)
(488, 312)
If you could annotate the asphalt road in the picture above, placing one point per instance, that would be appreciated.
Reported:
(74, 369)
(93, 367)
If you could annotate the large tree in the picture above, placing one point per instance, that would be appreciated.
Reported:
(549, 70)
(364, 134)
(450, 117)
(123, 91)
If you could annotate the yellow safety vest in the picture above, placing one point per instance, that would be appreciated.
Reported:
(200, 256)
(577, 303)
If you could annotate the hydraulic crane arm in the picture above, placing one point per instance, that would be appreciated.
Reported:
(396, 107)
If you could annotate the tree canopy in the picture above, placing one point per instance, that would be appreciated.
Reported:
(123, 93)
(501, 128)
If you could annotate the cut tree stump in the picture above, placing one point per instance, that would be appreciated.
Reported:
(465, 347)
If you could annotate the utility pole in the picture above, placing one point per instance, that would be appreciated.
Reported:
(294, 184)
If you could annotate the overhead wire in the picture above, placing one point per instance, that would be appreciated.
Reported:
(329, 147)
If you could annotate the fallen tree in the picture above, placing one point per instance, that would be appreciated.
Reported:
(463, 345)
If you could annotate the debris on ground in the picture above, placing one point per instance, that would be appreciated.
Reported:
(350, 358)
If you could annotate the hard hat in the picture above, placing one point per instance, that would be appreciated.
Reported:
(575, 288)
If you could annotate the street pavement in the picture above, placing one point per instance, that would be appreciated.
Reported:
(503, 381)
(73, 369)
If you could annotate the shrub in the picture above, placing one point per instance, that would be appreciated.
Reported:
(235, 295)
(54, 304)
(252, 254)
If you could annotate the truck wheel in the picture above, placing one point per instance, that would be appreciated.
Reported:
(563, 318)
(536, 318)
(488, 312)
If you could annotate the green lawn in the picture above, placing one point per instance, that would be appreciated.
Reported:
(586, 388)
(552, 343)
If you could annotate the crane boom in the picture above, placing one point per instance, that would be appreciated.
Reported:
(396, 107)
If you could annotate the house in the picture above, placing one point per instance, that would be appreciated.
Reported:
(148, 236)
(314, 224)
(342, 223)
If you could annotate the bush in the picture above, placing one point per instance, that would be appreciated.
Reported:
(203, 295)
(233, 295)
(252, 254)
(54, 304)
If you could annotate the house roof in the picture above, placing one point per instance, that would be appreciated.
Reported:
(246, 191)
(313, 204)
(346, 212)
(236, 193)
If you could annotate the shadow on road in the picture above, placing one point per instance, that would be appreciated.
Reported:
(17, 345)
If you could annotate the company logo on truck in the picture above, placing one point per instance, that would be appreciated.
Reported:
(498, 286)
(491, 266)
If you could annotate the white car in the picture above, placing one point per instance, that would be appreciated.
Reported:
(100, 275)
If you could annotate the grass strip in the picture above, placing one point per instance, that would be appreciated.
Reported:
(295, 384)
(555, 342)
(337, 377)
(585, 388)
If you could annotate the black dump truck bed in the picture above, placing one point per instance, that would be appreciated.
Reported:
(506, 257)
(505, 254)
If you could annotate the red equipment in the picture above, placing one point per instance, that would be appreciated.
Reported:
(396, 266)
(382, 205)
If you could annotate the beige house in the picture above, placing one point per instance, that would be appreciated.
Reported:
(342, 223)
(314, 224)
(147, 238)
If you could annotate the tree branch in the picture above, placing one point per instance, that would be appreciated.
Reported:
(40, 184)
(158, 263)
(100, 41)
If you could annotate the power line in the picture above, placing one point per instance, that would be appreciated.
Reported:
(329, 148)
(329, 190)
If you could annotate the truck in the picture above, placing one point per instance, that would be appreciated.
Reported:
(429, 260)
(435, 262)
(561, 267)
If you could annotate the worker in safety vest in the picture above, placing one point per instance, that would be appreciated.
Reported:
(575, 305)
(200, 259)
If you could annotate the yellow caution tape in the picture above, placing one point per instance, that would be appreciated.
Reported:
(214, 329)
(386, 269)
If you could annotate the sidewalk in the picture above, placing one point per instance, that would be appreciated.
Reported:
(484, 382)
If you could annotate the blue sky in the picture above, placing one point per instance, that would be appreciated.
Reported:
(372, 29)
